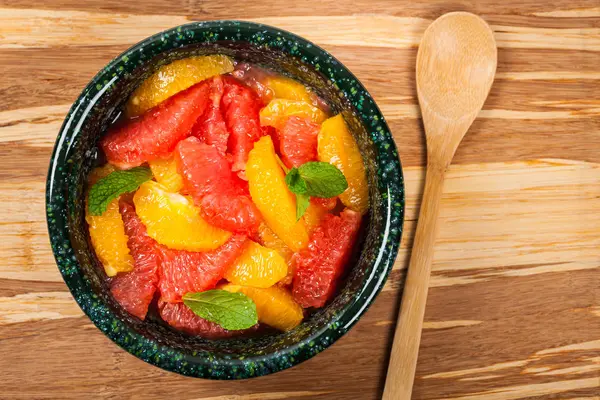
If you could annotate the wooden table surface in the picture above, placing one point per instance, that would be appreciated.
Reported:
(514, 311)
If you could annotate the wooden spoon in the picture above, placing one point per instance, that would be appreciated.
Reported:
(456, 64)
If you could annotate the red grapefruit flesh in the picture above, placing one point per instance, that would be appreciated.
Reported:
(274, 133)
(327, 203)
(180, 317)
(157, 131)
(220, 194)
(134, 290)
(319, 266)
(241, 106)
(186, 271)
(298, 141)
(211, 128)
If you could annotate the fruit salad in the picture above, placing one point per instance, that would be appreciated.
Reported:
(228, 202)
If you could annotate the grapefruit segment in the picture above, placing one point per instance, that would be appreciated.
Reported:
(298, 141)
(221, 195)
(240, 106)
(155, 134)
(180, 317)
(187, 271)
(211, 128)
(134, 290)
(319, 266)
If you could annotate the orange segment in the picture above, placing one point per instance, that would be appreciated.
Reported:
(175, 77)
(275, 305)
(337, 146)
(278, 110)
(109, 240)
(286, 88)
(269, 239)
(257, 266)
(99, 173)
(165, 173)
(313, 215)
(172, 220)
(107, 231)
(269, 192)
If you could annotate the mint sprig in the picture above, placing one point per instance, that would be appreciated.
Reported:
(322, 179)
(317, 179)
(232, 311)
(113, 185)
(302, 203)
(295, 182)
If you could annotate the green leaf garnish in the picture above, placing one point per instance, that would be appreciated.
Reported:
(318, 179)
(232, 311)
(302, 202)
(113, 185)
(295, 182)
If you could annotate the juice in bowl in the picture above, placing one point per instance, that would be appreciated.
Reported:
(225, 200)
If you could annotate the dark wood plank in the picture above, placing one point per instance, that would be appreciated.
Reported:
(516, 325)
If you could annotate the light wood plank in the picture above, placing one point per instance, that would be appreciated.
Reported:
(21, 29)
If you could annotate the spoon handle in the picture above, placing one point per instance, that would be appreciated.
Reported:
(405, 350)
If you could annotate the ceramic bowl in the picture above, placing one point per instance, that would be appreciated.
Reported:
(75, 153)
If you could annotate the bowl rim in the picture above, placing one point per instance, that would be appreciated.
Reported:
(174, 359)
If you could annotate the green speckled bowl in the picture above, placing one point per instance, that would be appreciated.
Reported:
(75, 153)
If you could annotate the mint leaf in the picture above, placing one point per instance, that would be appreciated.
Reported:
(295, 182)
(322, 179)
(233, 311)
(112, 186)
(302, 202)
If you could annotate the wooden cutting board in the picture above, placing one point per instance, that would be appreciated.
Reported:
(514, 311)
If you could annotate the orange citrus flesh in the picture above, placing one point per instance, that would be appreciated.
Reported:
(109, 240)
(278, 110)
(165, 173)
(337, 146)
(286, 88)
(275, 305)
(99, 173)
(313, 216)
(257, 266)
(175, 77)
(107, 232)
(269, 192)
(269, 239)
(172, 220)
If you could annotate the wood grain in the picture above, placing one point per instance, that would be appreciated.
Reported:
(514, 308)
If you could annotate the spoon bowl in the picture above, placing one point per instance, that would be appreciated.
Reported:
(456, 64)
